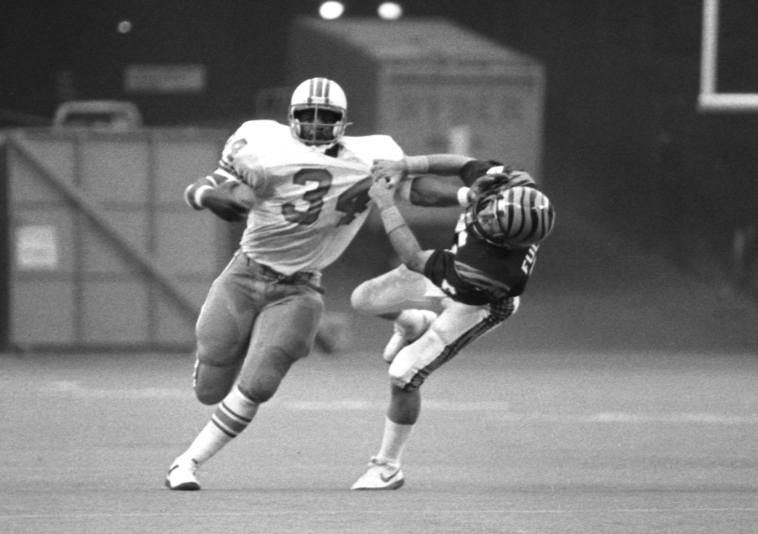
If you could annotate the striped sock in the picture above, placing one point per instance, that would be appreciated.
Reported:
(231, 417)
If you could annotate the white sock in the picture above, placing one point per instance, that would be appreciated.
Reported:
(393, 441)
(231, 417)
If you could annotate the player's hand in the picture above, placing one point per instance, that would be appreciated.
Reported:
(484, 184)
(392, 170)
(228, 201)
(382, 193)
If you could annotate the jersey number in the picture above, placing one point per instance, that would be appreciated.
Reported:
(351, 202)
(528, 264)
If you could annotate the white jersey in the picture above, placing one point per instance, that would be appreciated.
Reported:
(308, 206)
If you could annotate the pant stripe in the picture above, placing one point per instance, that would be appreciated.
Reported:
(499, 312)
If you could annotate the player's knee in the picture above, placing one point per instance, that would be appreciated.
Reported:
(212, 383)
(360, 298)
(417, 361)
(261, 384)
(210, 394)
(408, 387)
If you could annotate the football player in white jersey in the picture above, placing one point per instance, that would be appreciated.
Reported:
(442, 300)
(303, 189)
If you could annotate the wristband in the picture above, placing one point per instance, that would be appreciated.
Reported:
(392, 219)
(198, 196)
(417, 164)
(463, 196)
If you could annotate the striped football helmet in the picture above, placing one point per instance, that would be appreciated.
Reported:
(318, 112)
(513, 217)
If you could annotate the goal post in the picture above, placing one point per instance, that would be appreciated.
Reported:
(709, 98)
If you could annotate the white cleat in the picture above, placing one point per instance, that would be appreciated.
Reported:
(182, 476)
(380, 475)
(404, 336)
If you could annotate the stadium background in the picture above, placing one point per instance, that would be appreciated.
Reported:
(624, 150)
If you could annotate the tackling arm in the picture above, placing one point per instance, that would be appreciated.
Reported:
(402, 239)
(429, 191)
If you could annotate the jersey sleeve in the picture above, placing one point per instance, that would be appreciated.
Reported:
(241, 157)
(228, 171)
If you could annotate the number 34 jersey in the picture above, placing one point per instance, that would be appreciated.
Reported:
(308, 205)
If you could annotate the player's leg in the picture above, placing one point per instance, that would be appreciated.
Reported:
(455, 328)
(383, 472)
(223, 333)
(234, 305)
(283, 333)
(408, 326)
(397, 290)
(408, 298)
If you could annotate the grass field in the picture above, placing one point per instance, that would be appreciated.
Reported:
(529, 444)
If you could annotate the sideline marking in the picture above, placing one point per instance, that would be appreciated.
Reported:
(498, 410)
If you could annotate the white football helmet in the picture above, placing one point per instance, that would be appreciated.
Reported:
(318, 112)
(513, 217)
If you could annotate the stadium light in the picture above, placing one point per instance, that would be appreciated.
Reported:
(390, 11)
(331, 10)
(125, 26)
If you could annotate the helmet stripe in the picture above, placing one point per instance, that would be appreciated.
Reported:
(534, 214)
(524, 216)
(518, 201)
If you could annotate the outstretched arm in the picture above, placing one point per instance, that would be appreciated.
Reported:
(402, 239)
(430, 191)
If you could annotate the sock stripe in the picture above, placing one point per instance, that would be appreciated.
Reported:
(222, 419)
(234, 414)
(222, 429)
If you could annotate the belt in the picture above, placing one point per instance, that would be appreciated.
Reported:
(310, 279)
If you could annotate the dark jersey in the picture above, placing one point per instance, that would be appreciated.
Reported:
(474, 271)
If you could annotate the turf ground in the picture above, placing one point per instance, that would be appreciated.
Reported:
(545, 442)
(622, 398)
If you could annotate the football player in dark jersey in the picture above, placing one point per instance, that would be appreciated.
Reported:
(442, 300)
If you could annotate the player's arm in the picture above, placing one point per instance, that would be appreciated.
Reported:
(426, 190)
(221, 193)
(441, 164)
(401, 237)
(478, 176)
